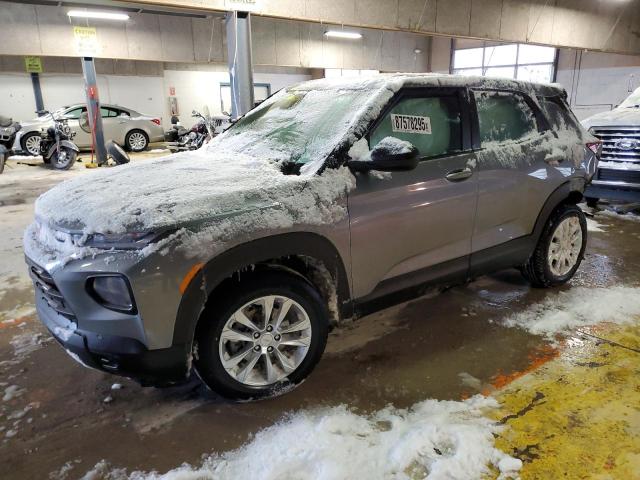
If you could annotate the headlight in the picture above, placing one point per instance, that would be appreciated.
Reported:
(112, 292)
(119, 241)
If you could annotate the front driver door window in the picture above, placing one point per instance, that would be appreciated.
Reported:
(407, 225)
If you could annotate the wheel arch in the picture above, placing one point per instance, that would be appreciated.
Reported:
(306, 254)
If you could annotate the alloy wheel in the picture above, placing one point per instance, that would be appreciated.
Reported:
(265, 340)
(565, 246)
(137, 141)
(32, 145)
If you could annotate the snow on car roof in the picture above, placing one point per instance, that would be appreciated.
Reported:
(395, 81)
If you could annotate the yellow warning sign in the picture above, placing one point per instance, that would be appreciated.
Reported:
(86, 41)
(33, 64)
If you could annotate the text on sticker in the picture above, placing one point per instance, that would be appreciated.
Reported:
(410, 124)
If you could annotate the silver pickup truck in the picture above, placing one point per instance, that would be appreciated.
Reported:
(618, 175)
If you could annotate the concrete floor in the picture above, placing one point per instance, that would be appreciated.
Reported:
(401, 355)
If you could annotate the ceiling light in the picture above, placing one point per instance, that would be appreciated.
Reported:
(94, 14)
(342, 34)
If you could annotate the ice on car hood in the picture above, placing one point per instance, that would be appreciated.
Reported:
(618, 117)
(169, 191)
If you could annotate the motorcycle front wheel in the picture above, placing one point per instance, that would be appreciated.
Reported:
(63, 159)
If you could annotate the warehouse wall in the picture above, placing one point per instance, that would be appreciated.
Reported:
(597, 82)
(167, 38)
(608, 25)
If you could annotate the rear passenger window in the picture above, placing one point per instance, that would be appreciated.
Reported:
(504, 116)
(432, 124)
(558, 113)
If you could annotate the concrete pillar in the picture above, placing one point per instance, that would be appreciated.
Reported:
(93, 108)
(240, 64)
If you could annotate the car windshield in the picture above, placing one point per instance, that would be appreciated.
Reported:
(632, 101)
(296, 125)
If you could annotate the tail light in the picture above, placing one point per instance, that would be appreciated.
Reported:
(594, 147)
(156, 121)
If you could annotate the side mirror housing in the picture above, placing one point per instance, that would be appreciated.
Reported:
(389, 155)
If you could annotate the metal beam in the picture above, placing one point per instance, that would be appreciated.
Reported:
(37, 91)
(93, 109)
(240, 62)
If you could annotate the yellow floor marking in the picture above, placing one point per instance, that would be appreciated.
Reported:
(578, 415)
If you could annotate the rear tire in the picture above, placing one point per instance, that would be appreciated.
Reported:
(66, 159)
(136, 141)
(274, 360)
(560, 248)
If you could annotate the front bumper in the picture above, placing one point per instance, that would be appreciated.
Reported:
(118, 355)
(615, 191)
(112, 352)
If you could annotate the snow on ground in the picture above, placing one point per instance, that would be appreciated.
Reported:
(579, 307)
(594, 226)
(612, 214)
(433, 439)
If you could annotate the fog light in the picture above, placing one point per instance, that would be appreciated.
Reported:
(112, 291)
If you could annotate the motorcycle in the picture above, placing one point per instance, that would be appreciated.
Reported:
(8, 131)
(207, 127)
(56, 145)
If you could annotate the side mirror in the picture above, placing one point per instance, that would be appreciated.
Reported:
(389, 155)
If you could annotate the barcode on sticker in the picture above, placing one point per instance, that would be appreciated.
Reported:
(410, 124)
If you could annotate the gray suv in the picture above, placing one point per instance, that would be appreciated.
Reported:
(329, 200)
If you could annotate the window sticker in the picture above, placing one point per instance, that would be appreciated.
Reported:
(410, 124)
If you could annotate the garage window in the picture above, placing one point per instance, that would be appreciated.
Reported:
(513, 60)
(432, 124)
(504, 116)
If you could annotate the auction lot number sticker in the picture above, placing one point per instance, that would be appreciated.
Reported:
(410, 124)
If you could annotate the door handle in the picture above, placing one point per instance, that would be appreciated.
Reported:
(458, 175)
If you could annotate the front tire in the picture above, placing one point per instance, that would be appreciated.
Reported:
(136, 141)
(560, 249)
(261, 337)
(64, 159)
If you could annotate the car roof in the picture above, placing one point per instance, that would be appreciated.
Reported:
(395, 81)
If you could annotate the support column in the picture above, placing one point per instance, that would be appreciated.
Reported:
(240, 64)
(93, 108)
(37, 91)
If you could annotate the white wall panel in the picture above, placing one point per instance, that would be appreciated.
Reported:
(16, 96)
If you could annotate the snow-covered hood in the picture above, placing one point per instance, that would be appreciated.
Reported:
(167, 192)
(618, 117)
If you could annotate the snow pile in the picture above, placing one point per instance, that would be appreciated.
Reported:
(579, 307)
(433, 440)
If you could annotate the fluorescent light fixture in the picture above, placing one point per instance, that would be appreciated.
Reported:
(95, 14)
(342, 34)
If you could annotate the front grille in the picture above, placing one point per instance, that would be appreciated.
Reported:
(46, 288)
(611, 175)
(619, 144)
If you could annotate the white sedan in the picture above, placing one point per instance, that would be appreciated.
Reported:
(130, 129)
